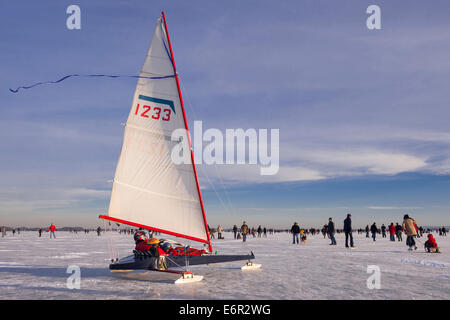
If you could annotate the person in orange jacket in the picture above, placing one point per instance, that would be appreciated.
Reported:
(52, 230)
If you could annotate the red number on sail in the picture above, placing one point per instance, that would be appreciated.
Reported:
(137, 109)
(143, 114)
(167, 117)
(157, 113)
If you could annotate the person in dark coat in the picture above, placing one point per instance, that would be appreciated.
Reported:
(295, 230)
(348, 230)
(235, 230)
(331, 231)
(383, 230)
(373, 230)
(398, 232)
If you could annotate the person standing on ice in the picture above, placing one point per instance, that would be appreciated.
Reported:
(331, 231)
(392, 231)
(367, 231)
(52, 230)
(295, 230)
(398, 232)
(235, 230)
(348, 230)
(411, 232)
(383, 230)
(244, 231)
(219, 232)
(259, 231)
(3, 231)
(373, 230)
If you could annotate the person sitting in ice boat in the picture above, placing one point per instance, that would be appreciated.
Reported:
(431, 244)
(167, 248)
(144, 244)
(140, 236)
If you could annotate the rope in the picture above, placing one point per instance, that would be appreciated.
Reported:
(215, 165)
(88, 75)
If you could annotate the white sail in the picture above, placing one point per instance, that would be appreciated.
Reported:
(149, 190)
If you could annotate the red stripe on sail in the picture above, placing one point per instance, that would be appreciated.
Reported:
(153, 229)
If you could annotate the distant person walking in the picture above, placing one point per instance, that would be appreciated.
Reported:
(383, 230)
(40, 232)
(373, 230)
(331, 231)
(367, 231)
(295, 230)
(392, 231)
(348, 231)
(99, 231)
(244, 231)
(3, 229)
(259, 230)
(409, 225)
(219, 232)
(398, 232)
(235, 230)
(52, 230)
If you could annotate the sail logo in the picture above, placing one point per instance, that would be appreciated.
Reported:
(252, 147)
(155, 112)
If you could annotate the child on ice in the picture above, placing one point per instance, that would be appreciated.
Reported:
(431, 244)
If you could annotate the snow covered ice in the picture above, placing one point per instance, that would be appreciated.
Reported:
(36, 268)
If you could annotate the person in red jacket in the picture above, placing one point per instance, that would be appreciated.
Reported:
(392, 231)
(52, 230)
(431, 244)
(152, 245)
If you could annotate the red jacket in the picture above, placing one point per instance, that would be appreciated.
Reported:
(144, 246)
(392, 229)
(52, 228)
(431, 241)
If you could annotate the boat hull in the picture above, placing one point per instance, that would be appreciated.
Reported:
(134, 262)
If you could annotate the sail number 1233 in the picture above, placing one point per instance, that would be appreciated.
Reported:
(153, 112)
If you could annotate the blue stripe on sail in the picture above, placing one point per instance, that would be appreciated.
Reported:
(158, 100)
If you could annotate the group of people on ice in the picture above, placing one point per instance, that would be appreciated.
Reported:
(409, 227)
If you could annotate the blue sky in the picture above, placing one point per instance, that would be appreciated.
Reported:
(363, 114)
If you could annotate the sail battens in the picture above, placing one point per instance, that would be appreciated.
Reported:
(155, 193)
(164, 135)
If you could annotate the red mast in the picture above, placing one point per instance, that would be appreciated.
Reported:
(187, 129)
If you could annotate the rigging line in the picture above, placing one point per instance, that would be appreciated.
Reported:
(201, 168)
(109, 244)
(215, 165)
(89, 75)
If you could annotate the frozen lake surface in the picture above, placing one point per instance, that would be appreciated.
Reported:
(36, 268)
